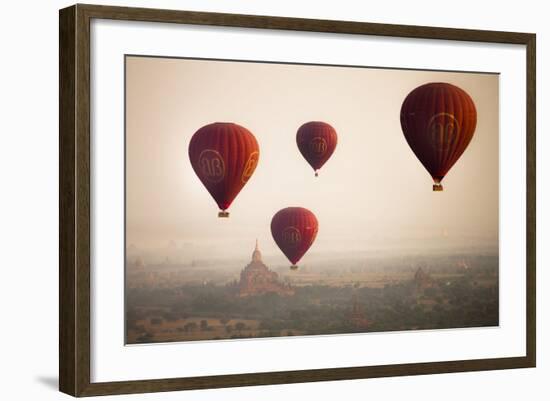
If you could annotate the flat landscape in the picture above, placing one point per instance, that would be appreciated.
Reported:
(170, 302)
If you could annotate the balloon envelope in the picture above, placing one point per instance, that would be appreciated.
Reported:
(316, 141)
(438, 120)
(294, 229)
(224, 157)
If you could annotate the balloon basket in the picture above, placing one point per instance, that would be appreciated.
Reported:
(316, 174)
(294, 267)
(223, 213)
(437, 187)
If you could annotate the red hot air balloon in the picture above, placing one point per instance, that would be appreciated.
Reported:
(316, 141)
(438, 120)
(294, 229)
(224, 156)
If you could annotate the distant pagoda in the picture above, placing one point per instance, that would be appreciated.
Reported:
(357, 315)
(257, 279)
(423, 280)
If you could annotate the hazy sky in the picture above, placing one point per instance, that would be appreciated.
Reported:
(372, 194)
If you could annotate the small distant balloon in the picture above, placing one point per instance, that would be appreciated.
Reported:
(224, 157)
(294, 230)
(316, 141)
(438, 120)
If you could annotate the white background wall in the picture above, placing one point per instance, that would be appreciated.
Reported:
(29, 185)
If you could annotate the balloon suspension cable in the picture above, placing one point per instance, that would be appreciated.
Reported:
(223, 213)
(437, 187)
(316, 173)
(294, 267)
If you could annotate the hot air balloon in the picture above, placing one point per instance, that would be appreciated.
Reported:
(316, 141)
(294, 229)
(438, 120)
(224, 156)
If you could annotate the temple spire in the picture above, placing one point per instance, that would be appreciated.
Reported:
(256, 255)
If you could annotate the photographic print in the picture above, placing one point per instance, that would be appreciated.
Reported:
(268, 199)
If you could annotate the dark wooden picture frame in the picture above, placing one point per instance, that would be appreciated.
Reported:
(74, 199)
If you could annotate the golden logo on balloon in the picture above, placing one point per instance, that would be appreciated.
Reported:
(250, 166)
(318, 146)
(211, 165)
(443, 129)
(292, 236)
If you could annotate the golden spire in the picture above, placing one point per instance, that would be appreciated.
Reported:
(256, 255)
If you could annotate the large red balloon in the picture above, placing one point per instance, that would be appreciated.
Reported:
(224, 156)
(294, 229)
(316, 141)
(438, 120)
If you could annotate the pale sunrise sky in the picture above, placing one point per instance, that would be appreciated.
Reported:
(372, 194)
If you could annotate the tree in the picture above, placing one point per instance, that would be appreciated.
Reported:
(144, 338)
(131, 324)
(240, 327)
(191, 326)
(204, 325)
(430, 292)
(224, 320)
